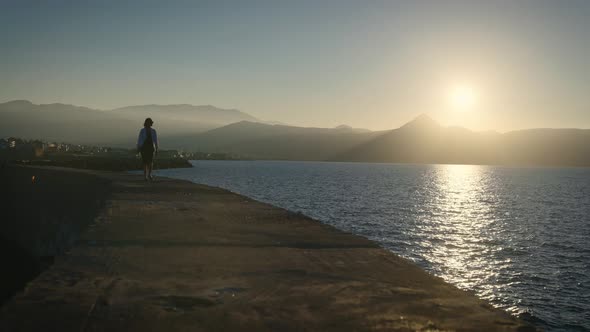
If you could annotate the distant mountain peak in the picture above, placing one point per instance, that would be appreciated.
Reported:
(343, 126)
(19, 102)
(179, 107)
(422, 121)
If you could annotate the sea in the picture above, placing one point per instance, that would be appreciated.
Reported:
(517, 237)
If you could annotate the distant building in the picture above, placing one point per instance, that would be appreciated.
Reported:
(51, 147)
(38, 148)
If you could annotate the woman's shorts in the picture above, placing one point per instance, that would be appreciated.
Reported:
(147, 156)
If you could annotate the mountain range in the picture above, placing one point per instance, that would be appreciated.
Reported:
(211, 129)
(425, 141)
(117, 127)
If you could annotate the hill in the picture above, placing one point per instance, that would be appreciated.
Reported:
(265, 141)
(425, 141)
(191, 117)
(62, 122)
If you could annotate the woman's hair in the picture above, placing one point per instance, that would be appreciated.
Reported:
(148, 122)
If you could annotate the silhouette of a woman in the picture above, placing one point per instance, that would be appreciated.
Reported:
(147, 145)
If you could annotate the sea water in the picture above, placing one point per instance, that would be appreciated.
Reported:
(517, 237)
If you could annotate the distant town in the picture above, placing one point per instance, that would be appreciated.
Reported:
(38, 152)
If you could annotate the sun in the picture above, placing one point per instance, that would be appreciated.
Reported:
(463, 97)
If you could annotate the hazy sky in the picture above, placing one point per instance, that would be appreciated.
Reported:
(372, 64)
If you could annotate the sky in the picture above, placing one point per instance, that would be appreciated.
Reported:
(368, 64)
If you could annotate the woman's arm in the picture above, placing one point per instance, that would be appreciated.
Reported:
(140, 139)
(155, 139)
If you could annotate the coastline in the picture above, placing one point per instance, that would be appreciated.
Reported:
(105, 163)
(173, 255)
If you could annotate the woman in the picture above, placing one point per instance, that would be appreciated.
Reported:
(147, 145)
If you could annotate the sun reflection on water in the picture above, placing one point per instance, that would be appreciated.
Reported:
(460, 238)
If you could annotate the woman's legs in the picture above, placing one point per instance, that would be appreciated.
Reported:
(147, 157)
(150, 166)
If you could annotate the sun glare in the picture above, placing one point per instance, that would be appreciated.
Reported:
(463, 97)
